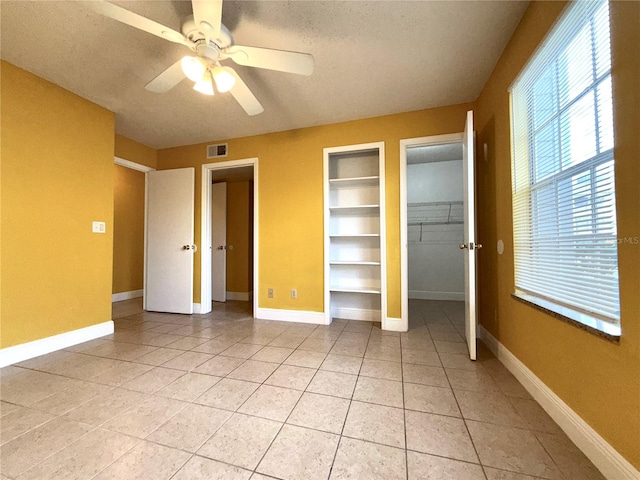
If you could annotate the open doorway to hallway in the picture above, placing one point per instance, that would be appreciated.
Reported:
(229, 258)
(232, 234)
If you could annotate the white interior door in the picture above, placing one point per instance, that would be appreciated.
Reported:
(169, 241)
(469, 247)
(219, 242)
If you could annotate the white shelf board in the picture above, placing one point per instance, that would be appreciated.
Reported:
(353, 263)
(354, 209)
(355, 290)
(353, 235)
(372, 180)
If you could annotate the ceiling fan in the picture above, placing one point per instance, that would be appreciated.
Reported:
(211, 42)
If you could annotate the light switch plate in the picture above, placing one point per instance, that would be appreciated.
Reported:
(99, 227)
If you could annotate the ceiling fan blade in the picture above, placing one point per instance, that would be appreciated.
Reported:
(168, 79)
(243, 95)
(280, 60)
(137, 21)
(208, 12)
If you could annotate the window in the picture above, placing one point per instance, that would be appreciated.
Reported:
(563, 172)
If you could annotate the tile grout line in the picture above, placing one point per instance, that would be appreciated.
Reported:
(464, 420)
(289, 415)
(404, 416)
(344, 423)
(359, 375)
(254, 470)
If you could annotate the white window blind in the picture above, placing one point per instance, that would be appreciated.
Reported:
(563, 171)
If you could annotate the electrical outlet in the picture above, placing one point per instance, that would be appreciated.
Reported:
(270, 293)
(98, 227)
(294, 293)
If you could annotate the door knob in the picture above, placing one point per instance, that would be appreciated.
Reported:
(470, 246)
(190, 247)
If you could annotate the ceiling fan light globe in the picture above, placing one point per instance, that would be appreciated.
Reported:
(204, 85)
(194, 68)
(224, 80)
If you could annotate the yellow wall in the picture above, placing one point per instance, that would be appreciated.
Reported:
(238, 235)
(128, 229)
(290, 198)
(133, 151)
(598, 379)
(57, 177)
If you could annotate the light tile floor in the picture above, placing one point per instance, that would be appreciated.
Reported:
(224, 396)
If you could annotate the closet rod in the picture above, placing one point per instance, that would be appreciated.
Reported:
(434, 204)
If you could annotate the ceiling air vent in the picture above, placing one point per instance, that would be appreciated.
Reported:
(216, 151)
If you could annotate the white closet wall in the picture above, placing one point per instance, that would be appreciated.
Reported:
(435, 230)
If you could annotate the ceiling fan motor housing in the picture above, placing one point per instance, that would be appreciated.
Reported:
(209, 52)
(198, 35)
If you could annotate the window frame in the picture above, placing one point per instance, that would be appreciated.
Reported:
(525, 182)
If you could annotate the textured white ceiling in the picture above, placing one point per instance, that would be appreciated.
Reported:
(371, 58)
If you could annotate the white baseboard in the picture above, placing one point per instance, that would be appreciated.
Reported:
(606, 458)
(430, 295)
(394, 325)
(299, 316)
(25, 351)
(356, 314)
(240, 296)
(197, 309)
(119, 297)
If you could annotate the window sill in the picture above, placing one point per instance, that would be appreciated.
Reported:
(584, 322)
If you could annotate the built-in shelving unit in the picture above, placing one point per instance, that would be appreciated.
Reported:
(355, 266)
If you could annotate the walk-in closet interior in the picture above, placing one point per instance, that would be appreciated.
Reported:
(435, 222)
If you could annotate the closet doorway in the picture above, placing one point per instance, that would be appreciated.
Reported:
(432, 216)
(439, 248)
(435, 222)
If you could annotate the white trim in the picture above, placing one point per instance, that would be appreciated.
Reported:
(25, 351)
(606, 458)
(347, 313)
(140, 168)
(383, 235)
(404, 262)
(298, 316)
(146, 241)
(326, 240)
(239, 296)
(119, 297)
(433, 295)
(394, 325)
(132, 165)
(205, 229)
(197, 309)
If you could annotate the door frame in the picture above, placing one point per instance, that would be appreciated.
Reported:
(205, 230)
(404, 247)
(144, 169)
